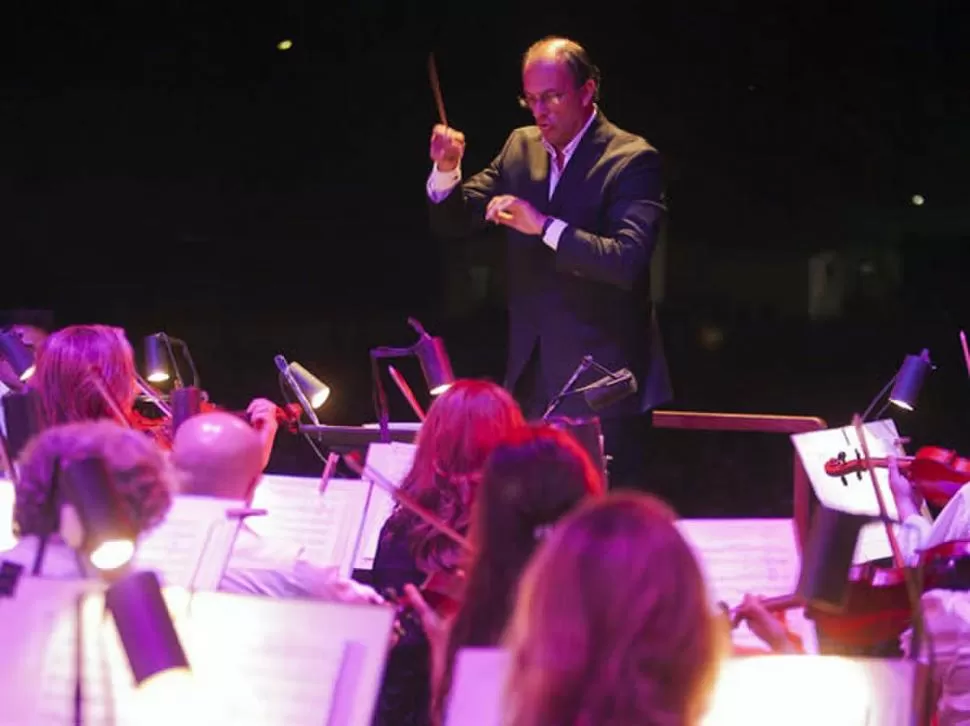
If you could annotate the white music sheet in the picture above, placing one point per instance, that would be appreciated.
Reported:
(393, 461)
(795, 690)
(7, 499)
(755, 556)
(854, 492)
(324, 525)
(254, 661)
(191, 547)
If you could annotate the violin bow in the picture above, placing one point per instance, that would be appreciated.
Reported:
(108, 397)
(406, 501)
(405, 389)
(898, 558)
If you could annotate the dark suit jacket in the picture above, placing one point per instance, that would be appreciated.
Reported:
(591, 295)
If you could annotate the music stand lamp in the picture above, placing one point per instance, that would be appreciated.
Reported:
(161, 361)
(18, 355)
(435, 366)
(905, 385)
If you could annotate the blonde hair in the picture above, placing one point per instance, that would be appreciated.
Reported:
(142, 475)
(64, 373)
(612, 626)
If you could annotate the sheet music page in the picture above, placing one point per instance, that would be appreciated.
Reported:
(324, 525)
(393, 461)
(254, 661)
(28, 621)
(477, 696)
(7, 500)
(756, 556)
(854, 492)
(194, 541)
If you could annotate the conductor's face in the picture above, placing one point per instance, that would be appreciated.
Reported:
(559, 107)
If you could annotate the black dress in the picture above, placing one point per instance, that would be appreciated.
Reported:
(405, 696)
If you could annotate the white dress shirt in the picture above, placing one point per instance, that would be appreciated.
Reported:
(261, 567)
(440, 183)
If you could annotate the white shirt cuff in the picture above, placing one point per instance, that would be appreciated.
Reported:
(914, 530)
(440, 183)
(554, 232)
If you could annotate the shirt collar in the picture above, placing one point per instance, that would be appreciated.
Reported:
(571, 146)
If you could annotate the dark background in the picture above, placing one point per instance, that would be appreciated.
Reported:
(165, 167)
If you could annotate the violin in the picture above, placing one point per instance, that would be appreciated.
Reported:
(877, 606)
(937, 473)
(443, 590)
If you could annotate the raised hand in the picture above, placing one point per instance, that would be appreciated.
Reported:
(447, 147)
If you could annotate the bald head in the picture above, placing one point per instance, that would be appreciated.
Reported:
(218, 455)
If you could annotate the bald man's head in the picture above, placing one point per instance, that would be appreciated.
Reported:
(218, 455)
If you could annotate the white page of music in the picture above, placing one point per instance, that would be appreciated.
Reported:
(854, 492)
(254, 661)
(191, 546)
(393, 461)
(749, 556)
(324, 525)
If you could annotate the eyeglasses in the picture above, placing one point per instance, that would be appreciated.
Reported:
(548, 99)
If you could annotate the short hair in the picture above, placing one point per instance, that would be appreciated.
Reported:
(573, 55)
(141, 472)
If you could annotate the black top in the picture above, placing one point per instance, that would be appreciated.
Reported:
(405, 696)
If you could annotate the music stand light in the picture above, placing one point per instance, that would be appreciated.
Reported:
(145, 626)
(435, 366)
(18, 355)
(905, 385)
(316, 391)
(910, 379)
(161, 361)
(92, 516)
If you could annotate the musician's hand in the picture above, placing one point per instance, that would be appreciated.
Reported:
(262, 416)
(435, 628)
(768, 627)
(447, 147)
(515, 213)
(908, 500)
(9, 377)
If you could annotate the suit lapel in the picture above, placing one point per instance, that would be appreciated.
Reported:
(537, 188)
(588, 150)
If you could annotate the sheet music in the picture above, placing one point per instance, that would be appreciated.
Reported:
(193, 542)
(794, 690)
(755, 556)
(854, 493)
(326, 526)
(254, 661)
(393, 461)
(7, 500)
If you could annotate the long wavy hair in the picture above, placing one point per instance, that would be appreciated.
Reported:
(613, 626)
(463, 426)
(142, 474)
(532, 479)
(63, 376)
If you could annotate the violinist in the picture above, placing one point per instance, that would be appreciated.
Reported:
(531, 480)
(78, 365)
(462, 428)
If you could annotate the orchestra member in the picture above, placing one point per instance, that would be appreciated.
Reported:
(532, 479)
(140, 471)
(70, 359)
(612, 625)
(462, 428)
(581, 201)
(219, 455)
